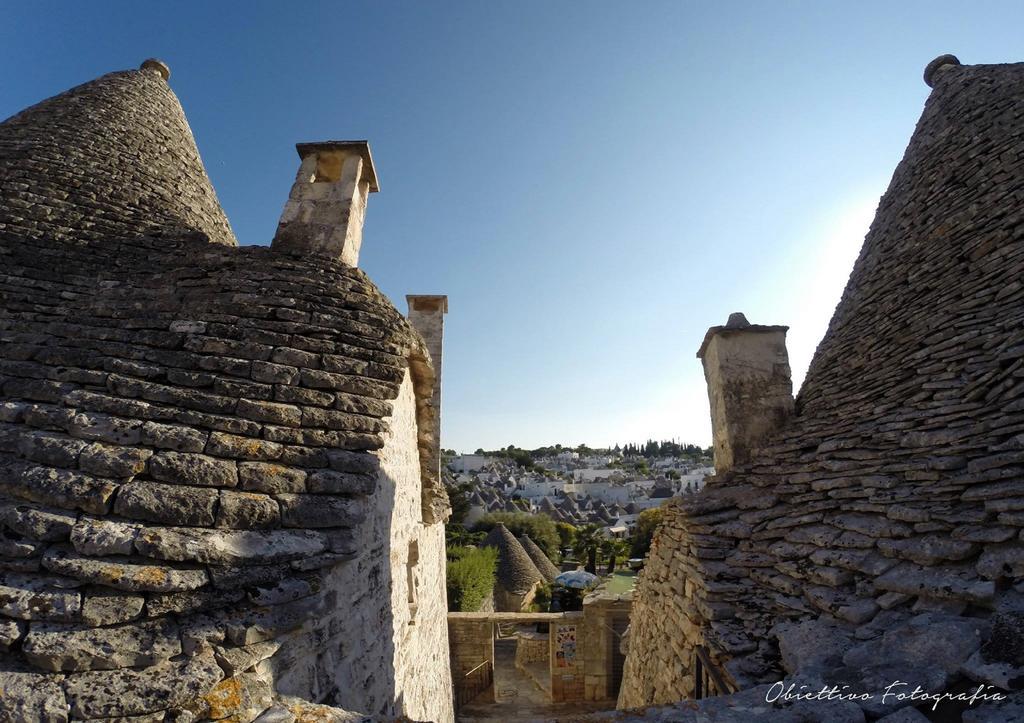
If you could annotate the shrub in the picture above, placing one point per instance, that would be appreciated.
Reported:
(542, 600)
(540, 528)
(646, 524)
(459, 536)
(458, 496)
(566, 535)
(470, 577)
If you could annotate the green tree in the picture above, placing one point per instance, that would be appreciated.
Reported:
(566, 535)
(643, 533)
(540, 528)
(542, 599)
(612, 550)
(470, 577)
(459, 536)
(458, 495)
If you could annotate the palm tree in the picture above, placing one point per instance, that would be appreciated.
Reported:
(588, 539)
(611, 549)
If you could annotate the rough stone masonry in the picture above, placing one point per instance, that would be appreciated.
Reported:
(876, 534)
(219, 490)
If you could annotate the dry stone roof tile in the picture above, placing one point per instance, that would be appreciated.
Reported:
(112, 157)
(541, 560)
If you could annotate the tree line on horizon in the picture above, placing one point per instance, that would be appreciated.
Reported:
(651, 449)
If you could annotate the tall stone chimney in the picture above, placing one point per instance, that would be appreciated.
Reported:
(426, 314)
(326, 207)
(749, 386)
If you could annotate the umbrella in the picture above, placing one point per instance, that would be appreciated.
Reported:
(579, 579)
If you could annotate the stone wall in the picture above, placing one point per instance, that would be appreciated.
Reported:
(190, 439)
(471, 642)
(419, 595)
(682, 595)
(343, 656)
(602, 615)
(585, 639)
(566, 660)
(891, 502)
(531, 647)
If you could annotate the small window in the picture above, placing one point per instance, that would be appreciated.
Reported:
(413, 579)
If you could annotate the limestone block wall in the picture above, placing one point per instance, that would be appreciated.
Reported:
(531, 647)
(419, 595)
(600, 643)
(471, 642)
(384, 651)
(192, 445)
(688, 595)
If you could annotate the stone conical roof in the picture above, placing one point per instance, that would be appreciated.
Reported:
(939, 272)
(112, 157)
(897, 483)
(542, 561)
(516, 571)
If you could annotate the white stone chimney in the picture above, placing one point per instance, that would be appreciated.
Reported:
(326, 207)
(426, 314)
(749, 386)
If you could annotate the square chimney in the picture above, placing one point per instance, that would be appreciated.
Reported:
(749, 387)
(327, 205)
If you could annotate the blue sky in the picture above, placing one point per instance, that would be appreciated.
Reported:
(593, 184)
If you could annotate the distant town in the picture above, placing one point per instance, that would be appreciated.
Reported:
(608, 488)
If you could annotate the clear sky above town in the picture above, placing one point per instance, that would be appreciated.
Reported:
(593, 184)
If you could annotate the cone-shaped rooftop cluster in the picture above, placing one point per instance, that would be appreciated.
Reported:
(516, 570)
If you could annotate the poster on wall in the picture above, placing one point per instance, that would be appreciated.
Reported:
(565, 646)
